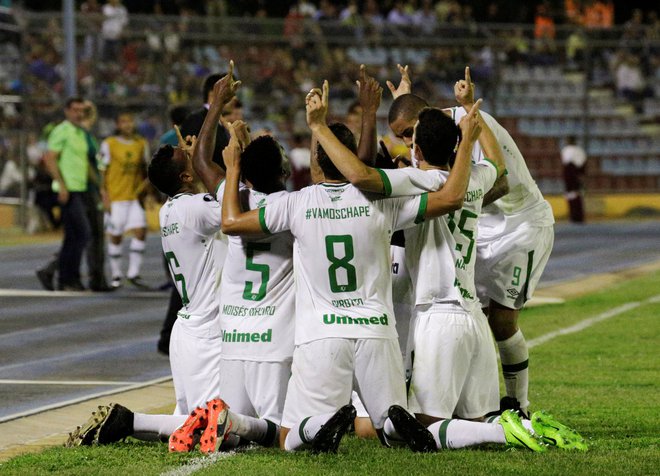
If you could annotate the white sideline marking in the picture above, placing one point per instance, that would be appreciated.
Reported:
(63, 382)
(7, 292)
(84, 398)
(580, 326)
(197, 464)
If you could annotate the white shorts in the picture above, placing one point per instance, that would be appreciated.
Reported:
(325, 372)
(455, 367)
(195, 363)
(508, 269)
(125, 215)
(255, 389)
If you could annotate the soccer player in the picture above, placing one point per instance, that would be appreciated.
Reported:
(123, 162)
(514, 241)
(257, 288)
(345, 335)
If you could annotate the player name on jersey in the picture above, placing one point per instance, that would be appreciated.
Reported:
(170, 229)
(241, 311)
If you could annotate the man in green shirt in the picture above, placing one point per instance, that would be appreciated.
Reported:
(68, 165)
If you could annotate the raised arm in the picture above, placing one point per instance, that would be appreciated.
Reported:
(370, 93)
(450, 196)
(234, 221)
(464, 91)
(208, 171)
(350, 166)
(405, 85)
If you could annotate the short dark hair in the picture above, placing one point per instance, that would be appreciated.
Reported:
(261, 163)
(72, 100)
(437, 136)
(407, 106)
(164, 172)
(178, 114)
(209, 82)
(347, 138)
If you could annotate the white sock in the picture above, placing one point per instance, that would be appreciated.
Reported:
(515, 359)
(258, 430)
(391, 436)
(301, 434)
(453, 434)
(114, 253)
(162, 425)
(136, 253)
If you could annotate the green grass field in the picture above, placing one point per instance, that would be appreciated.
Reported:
(603, 380)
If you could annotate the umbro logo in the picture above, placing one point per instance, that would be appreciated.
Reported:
(513, 293)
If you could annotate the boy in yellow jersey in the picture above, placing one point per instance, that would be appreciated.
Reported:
(123, 162)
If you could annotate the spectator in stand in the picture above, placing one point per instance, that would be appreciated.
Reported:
(115, 19)
(398, 15)
(425, 19)
(599, 14)
(630, 83)
(544, 25)
(574, 158)
(90, 11)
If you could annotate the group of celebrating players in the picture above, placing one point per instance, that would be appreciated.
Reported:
(291, 335)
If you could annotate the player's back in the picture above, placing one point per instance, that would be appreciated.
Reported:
(342, 258)
(188, 223)
(257, 289)
(441, 252)
(524, 202)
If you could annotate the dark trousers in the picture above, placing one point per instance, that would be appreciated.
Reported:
(77, 232)
(96, 246)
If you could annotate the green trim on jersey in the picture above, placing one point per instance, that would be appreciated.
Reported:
(217, 187)
(423, 201)
(387, 185)
(262, 220)
(180, 195)
(506, 172)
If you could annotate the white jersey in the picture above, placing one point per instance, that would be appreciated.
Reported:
(524, 205)
(257, 289)
(188, 223)
(342, 256)
(440, 253)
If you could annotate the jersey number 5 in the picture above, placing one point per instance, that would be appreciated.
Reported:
(349, 281)
(173, 262)
(264, 269)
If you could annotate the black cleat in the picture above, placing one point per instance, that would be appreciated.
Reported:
(117, 425)
(418, 438)
(86, 434)
(328, 437)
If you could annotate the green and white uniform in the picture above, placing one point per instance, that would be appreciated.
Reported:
(455, 368)
(515, 232)
(188, 223)
(343, 297)
(257, 318)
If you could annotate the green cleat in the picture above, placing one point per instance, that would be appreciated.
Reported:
(557, 434)
(517, 435)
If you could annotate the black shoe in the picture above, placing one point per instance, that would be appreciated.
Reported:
(328, 437)
(418, 438)
(75, 286)
(137, 282)
(46, 279)
(511, 403)
(117, 425)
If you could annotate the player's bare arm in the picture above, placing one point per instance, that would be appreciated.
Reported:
(405, 85)
(369, 93)
(208, 171)
(350, 166)
(50, 159)
(450, 196)
(234, 221)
